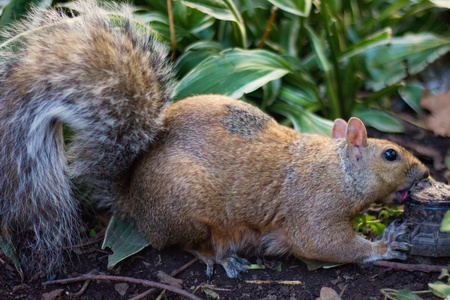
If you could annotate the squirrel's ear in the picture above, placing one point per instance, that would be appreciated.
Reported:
(339, 129)
(356, 133)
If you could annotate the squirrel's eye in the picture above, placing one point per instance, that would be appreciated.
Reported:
(390, 155)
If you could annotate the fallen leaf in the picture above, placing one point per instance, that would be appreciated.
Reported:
(167, 279)
(328, 294)
(439, 107)
(52, 295)
(121, 288)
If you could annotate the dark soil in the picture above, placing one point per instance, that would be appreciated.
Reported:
(351, 281)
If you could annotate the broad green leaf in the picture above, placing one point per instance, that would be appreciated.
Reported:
(216, 8)
(159, 22)
(124, 239)
(222, 10)
(297, 96)
(190, 19)
(195, 54)
(385, 92)
(380, 38)
(379, 119)
(233, 72)
(303, 121)
(440, 289)
(9, 251)
(446, 222)
(300, 8)
(441, 3)
(412, 94)
(289, 35)
(271, 91)
(404, 56)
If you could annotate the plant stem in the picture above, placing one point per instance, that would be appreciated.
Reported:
(268, 26)
(172, 28)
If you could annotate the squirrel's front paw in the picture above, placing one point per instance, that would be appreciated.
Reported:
(394, 230)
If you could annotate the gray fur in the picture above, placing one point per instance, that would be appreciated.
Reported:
(245, 120)
(108, 83)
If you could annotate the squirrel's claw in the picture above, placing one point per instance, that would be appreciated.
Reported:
(209, 267)
(391, 233)
(394, 230)
(233, 265)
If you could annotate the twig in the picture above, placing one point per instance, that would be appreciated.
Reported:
(173, 274)
(126, 279)
(268, 27)
(172, 28)
(410, 267)
(181, 269)
(81, 291)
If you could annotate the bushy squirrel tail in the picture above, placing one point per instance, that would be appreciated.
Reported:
(102, 76)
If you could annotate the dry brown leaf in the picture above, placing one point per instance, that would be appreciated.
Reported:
(121, 288)
(439, 106)
(52, 295)
(328, 294)
(167, 279)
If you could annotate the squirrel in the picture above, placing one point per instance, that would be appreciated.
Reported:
(213, 175)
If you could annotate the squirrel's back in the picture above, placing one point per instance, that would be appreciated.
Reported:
(106, 80)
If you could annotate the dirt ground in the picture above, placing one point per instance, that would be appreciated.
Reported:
(350, 281)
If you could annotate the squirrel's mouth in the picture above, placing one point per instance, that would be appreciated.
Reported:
(401, 196)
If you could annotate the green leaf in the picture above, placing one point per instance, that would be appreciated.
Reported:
(255, 267)
(315, 264)
(216, 8)
(378, 228)
(412, 94)
(10, 252)
(271, 91)
(380, 38)
(222, 10)
(17, 9)
(303, 121)
(195, 54)
(300, 8)
(441, 3)
(379, 119)
(233, 72)
(407, 55)
(124, 239)
(404, 294)
(289, 35)
(297, 96)
(446, 222)
(444, 274)
(158, 22)
(440, 289)
(330, 76)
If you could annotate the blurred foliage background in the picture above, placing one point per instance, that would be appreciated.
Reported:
(304, 61)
